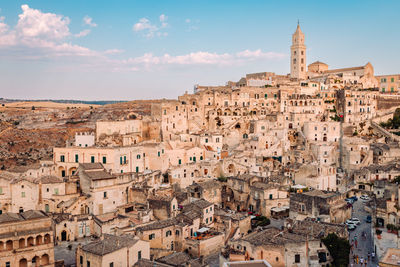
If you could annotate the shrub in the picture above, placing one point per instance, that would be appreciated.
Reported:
(339, 248)
(222, 178)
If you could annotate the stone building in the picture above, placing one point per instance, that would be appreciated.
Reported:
(111, 250)
(26, 239)
(280, 248)
(321, 205)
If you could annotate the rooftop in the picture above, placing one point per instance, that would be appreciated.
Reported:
(109, 244)
(255, 263)
(27, 215)
(391, 257)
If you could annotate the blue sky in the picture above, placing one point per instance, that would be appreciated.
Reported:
(124, 50)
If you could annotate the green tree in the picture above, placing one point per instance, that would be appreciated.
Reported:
(339, 248)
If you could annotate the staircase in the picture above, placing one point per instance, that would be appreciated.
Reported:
(384, 132)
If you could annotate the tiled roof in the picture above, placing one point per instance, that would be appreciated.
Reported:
(91, 166)
(109, 244)
(98, 175)
(27, 215)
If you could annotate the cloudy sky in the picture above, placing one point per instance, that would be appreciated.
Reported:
(121, 50)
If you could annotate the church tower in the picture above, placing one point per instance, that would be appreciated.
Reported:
(298, 55)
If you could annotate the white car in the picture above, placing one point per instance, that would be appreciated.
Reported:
(350, 222)
(351, 227)
(364, 197)
(355, 220)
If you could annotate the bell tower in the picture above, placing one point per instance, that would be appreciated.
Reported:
(298, 55)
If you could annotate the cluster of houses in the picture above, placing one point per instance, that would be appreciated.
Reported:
(196, 177)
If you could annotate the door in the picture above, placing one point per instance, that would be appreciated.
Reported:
(64, 235)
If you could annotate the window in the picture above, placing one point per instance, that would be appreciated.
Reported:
(1, 190)
(111, 264)
(214, 194)
(139, 254)
(104, 160)
(8, 264)
(88, 263)
(168, 233)
(206, 220)
(81, 259)
(270, 196)
(76, 158)
(92, 159)
(152, 236)
(138, 156)
(206, 210)
(392, 80)
(105, 194)
(158, 153)
(179, 161)
(22, 194)
(62, 158)
(206, 140)
(124, 159)
(266, 96)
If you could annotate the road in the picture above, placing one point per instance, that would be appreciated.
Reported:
(364, 245)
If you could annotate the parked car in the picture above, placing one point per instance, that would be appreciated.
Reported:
(369, 219)
(354, 198)
(355, 220)
(364, 197)
(350, 222)
(351, 227)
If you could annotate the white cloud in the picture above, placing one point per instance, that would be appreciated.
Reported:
(149, 29)
(144, 24)
(258, 54)
(39, 34)
(113, 51)
(89, 21)
(33, 23)
(82, 33)
(149, 61)
(163, 18)
(187, 20)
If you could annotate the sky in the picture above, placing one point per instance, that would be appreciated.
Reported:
(126, 50)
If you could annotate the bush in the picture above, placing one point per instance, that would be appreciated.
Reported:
(222, 178)
(262, 221)
(339, 248)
